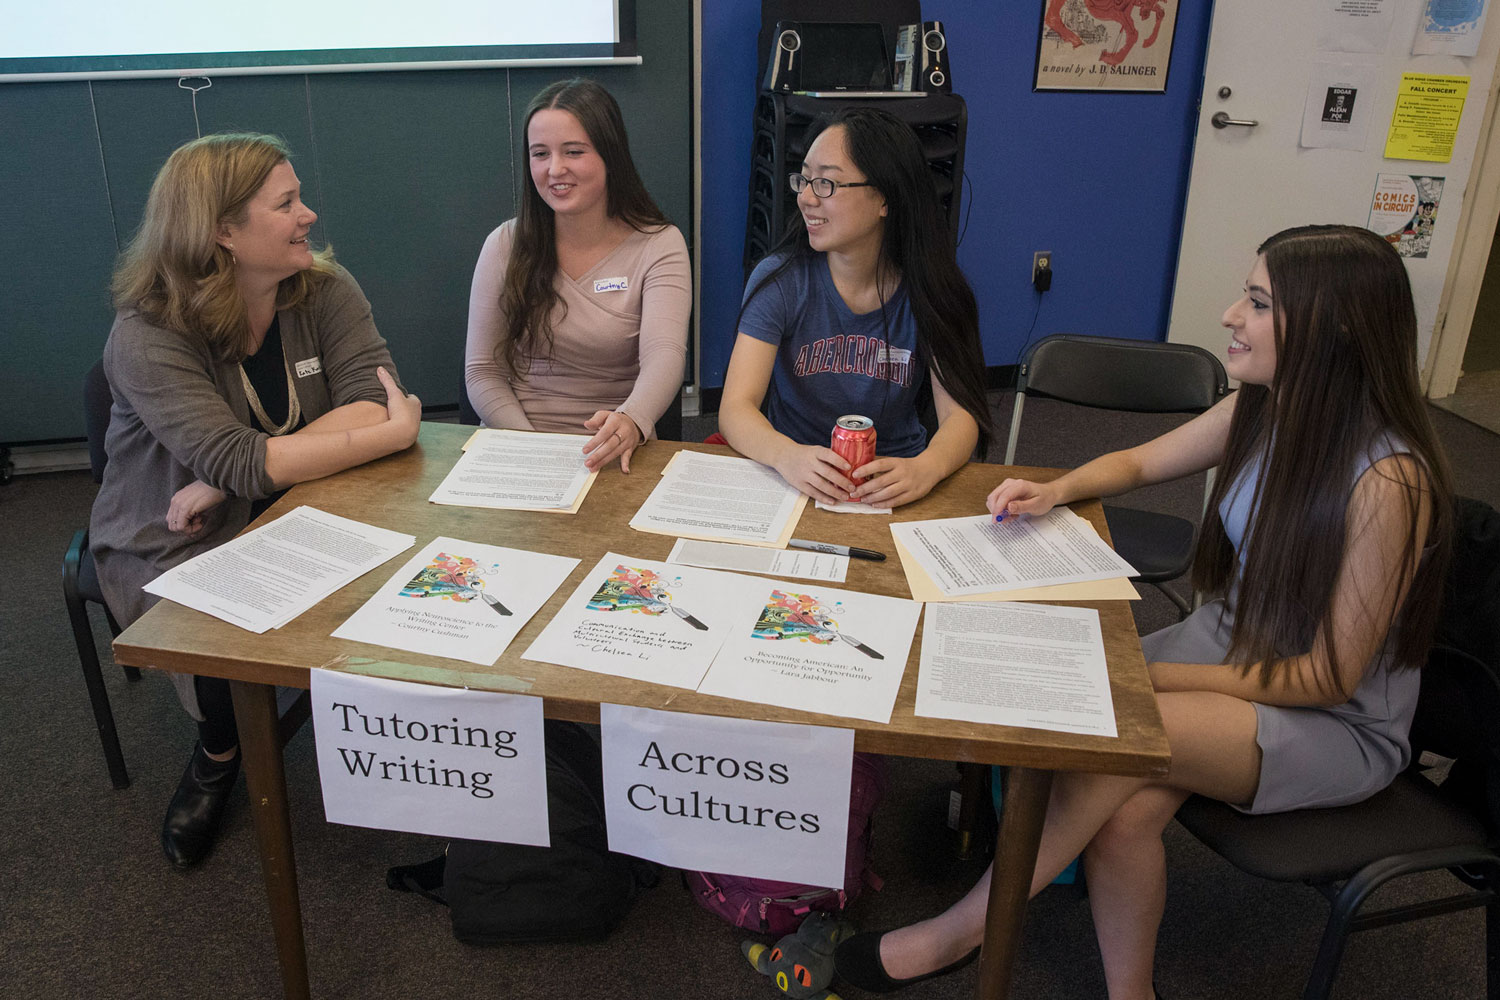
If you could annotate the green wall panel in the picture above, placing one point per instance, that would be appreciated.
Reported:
(408, 172)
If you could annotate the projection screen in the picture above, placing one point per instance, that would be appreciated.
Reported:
(106, 39)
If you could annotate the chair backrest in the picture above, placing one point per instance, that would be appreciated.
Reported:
(1137, 376)
(1458, 714)
(97, 401)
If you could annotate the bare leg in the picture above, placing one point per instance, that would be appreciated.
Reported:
(1213, 752)
(1127, 889)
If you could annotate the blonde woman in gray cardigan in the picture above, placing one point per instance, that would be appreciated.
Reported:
(241, 362)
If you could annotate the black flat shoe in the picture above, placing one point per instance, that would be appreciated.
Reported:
(192, 820)
(857, 962)
(425, 879)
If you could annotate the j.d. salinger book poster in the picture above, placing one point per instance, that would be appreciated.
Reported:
(839, 652)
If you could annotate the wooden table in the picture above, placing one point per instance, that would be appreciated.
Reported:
(392, 493)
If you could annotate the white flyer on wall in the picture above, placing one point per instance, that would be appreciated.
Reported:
(1449, 27)
(1355, 25)
(425, 759)
(1336, 114)
(756, 799)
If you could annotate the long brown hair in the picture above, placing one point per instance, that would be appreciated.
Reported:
(915, 243)
(528, 296)
(1346, 372)
(174, 272)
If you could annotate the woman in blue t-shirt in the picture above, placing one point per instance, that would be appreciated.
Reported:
(858, 309)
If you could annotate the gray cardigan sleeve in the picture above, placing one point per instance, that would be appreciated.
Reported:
(169, 383)
(351, 347)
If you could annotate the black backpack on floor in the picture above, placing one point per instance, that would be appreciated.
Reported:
(575, 890)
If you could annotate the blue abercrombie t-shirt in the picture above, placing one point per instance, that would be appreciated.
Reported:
(832, 361)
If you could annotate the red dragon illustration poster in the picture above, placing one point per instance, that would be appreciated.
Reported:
(1105, 45)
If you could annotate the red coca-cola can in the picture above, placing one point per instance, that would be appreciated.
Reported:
(854, 442)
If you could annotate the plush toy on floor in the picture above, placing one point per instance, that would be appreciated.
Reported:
(801, 964)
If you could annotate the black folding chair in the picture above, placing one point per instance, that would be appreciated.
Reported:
(81, 583)
(1415, 825)
(1134, 376)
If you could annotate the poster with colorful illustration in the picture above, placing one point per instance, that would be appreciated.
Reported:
(646, 620)
(458, 599)
(1105, 45)
(1449, 27)
(1403, 209)
(838, 652)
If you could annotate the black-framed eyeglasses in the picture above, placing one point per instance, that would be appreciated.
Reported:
(823, 187)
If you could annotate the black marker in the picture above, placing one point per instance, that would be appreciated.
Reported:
(837, 550)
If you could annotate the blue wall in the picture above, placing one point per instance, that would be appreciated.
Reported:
(1098, 179)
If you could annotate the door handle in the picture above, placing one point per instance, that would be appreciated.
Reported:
(1221, 119)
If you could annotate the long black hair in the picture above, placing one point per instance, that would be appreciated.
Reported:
(1346, 371)
(528, 296)
(915, 243)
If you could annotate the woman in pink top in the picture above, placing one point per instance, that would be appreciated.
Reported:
(578, 313)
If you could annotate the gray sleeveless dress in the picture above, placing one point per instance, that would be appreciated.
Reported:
(1310, 756)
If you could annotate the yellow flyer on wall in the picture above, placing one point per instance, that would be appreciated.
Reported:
(1425, 122)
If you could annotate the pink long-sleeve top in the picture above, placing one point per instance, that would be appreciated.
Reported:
(619, 338)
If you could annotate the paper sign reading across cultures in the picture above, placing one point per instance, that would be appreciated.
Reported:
(838, 652)
(1404, 211)
(756, 799)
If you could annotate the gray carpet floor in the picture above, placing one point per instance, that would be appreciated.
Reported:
(89, 909)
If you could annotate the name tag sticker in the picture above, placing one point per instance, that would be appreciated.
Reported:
(611, 284)
(309, 367)
(894, 355)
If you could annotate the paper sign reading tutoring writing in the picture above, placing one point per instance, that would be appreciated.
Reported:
(426, 759)
(756, 799)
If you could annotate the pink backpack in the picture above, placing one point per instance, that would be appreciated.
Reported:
(777, 908)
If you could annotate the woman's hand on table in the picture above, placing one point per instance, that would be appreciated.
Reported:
(615, 436)
(819, 472)
(185, 512)
(891, 482)
(1021, 496)
(403, 411)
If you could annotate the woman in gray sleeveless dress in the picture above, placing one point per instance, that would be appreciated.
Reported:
(1295, 687)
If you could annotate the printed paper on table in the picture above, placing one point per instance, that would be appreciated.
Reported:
(1012, 664)
(723, 499)
(649, 621)
(458, 599)
(518, 470)
(816, 649)
(800, 563)
(975, 555)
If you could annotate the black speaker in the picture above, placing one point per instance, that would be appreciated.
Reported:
(932, 59)
(784, 66)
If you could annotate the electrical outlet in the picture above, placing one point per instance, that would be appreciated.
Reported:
(1040, 261)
